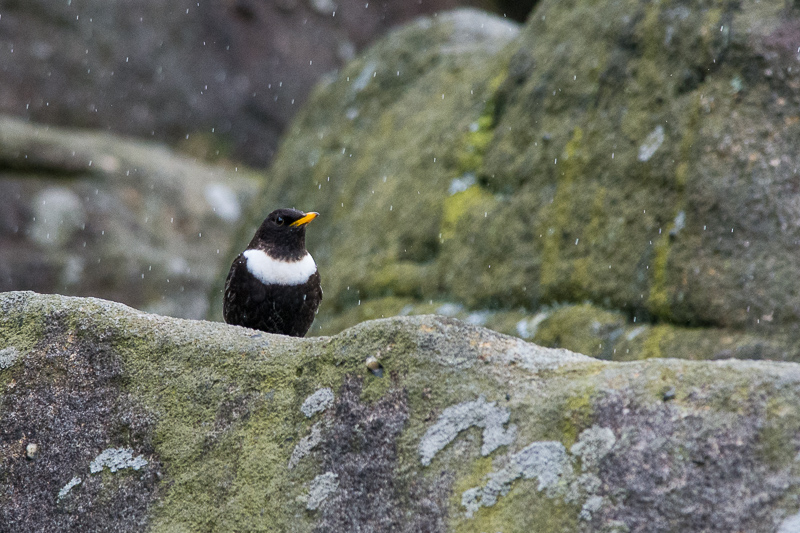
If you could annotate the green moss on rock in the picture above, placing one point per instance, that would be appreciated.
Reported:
(604, 160)
(217, 413)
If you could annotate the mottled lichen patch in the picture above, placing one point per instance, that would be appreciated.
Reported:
(317, 402)
(790, 524)
(553, 467)
(306, 444)
(457, 418)
(593, 444)
(320, 488)
(116, 459)
(8, 356)
(544, 461)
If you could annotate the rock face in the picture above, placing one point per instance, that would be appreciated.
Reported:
(96, 215)
(229, 74)
(634, 174)
(116, 420)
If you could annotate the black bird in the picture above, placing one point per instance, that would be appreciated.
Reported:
(274, 285)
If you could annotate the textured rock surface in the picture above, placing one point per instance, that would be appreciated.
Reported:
(365, 144)
(92, 214)
(230, 74)
(116, 420)
(642, 162)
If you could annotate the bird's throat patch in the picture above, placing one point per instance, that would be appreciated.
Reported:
(275, 271)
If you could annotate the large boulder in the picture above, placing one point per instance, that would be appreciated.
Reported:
(116, 420)
(217, 75)
(92, 214)
(633, 172)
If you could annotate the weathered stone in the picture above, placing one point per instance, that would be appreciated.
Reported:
(205, 426)
(317, 402)
(367, 156)
(93, 214)
(218, 77)
(641, 162)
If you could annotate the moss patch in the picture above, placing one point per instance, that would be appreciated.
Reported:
(607, 168)
(216, 412)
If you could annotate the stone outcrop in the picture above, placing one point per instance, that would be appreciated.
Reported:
(93, 214)
(116, 420)
(633, 174)
(213, 76)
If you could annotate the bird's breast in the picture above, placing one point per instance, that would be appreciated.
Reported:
(269, 270)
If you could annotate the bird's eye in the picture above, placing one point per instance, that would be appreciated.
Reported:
(279, 221)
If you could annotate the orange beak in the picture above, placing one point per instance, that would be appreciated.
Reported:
(305, 220)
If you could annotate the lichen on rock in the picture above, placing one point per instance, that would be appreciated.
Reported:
(116, 459)
(211, 416)
(567, 163)
(457, 418)
(545, 461)
(320, 488)
(317, 402)
(8, 356)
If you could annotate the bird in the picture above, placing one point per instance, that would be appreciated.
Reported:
(274, 285)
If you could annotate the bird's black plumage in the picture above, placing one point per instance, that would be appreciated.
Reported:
(274, 285)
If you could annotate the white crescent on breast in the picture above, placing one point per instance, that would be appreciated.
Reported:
(275, 271)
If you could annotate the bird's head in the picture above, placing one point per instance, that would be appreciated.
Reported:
(283, 234)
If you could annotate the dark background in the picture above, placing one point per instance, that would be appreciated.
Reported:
(218, 78)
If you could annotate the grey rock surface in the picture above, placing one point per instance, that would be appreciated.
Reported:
(620, 185)
(93, 214)
(144, 422)
(317, 402)
(210, 76)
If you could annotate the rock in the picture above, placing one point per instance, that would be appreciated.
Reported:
(642, 164)
(145, 422)
(116, 459)
(317, 402)
(93, 214)
(31, 450)
(378, 98)
(320, 488)
(213, 76)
